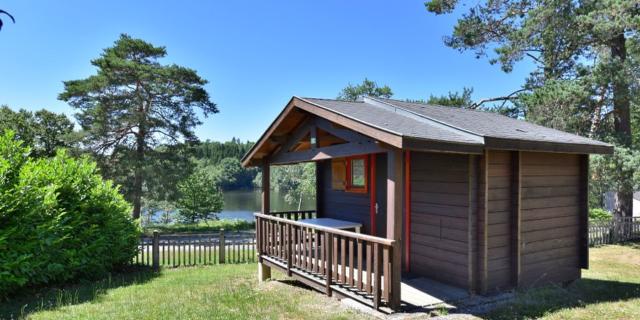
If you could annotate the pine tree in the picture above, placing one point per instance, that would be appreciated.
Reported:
(133, 104)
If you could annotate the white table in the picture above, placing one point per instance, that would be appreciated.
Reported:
(333, 223)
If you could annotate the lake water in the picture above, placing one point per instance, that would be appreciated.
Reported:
(243, 204)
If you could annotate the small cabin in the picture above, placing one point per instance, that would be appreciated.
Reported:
(471, 199)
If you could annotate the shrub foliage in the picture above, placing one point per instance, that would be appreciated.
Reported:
(58, 220)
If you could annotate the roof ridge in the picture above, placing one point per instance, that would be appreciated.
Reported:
(327, 99)
(422, 116)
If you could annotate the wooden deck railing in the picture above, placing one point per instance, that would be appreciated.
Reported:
(614, 230)
(294, 215)
(352, 264)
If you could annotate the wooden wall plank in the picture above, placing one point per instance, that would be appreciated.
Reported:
(551, 226)
(440, 216)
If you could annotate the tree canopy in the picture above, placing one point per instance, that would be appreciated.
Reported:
(200, 199)
(133, 104)
(585, 55)
(43, 130)
(366, 88)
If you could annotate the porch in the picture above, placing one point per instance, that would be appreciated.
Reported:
(343, 263)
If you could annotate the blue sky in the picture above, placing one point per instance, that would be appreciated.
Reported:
(255, 54)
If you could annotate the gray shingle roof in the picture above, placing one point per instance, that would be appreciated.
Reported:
(392, 122)
(437, 123)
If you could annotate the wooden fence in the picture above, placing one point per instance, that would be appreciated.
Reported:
(352, 264)
(614, 230)
(179, 250)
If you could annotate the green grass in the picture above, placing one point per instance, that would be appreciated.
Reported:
(212, 292)
(201, 227)
(610, 289)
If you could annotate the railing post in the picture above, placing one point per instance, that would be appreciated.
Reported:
(156, 250)
(258, 241)
(329, 245)
(377, 267)
(289, 253)
(222, 246)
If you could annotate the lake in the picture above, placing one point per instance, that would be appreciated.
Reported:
(242, 204)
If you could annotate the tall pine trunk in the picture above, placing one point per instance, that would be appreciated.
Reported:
(622, 118)
(138, 174)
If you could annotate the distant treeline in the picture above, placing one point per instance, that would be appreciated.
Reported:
(215, 151)
(221, 161)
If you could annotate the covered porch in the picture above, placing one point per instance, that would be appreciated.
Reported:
(363, 263)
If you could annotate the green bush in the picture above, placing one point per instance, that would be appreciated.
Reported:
(58, 220)
(599, 214)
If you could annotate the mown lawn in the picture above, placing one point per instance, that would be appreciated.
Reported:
(212, 292)
(610, 289)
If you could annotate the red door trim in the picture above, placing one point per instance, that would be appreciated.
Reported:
(407, 211)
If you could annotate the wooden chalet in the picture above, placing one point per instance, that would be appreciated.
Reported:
(472, 199)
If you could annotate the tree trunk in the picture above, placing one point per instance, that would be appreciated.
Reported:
(138, 176)
(622, 117)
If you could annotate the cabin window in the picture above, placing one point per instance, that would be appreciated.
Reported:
(357, 174)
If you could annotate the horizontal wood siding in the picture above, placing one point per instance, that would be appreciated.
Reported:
(550, 217)
(339, 204)
(499, 220)
(439, 217)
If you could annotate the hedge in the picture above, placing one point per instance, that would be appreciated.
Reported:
(59, 220)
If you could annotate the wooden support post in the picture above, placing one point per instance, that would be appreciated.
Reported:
(516, 219)
(472, 219)
(584, 211)
(222, 247)
(329, 248)
(483, 226)
(264, 271)
(394, 221)
(289, 248)
(319, 189)
(407, 211)
(266, 189)
(156, 251)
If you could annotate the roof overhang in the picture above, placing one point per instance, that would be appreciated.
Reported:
(299, 109)
(275, 135)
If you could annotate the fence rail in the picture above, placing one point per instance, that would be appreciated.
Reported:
(178, 250)
(614, 230)
(353, 264)
(294, 215)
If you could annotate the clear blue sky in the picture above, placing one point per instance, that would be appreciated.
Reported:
(255, 54)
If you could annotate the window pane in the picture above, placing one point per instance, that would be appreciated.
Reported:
(357, 172)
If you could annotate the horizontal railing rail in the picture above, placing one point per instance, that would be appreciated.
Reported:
(353, 264)
(614, 230)
(294, 215)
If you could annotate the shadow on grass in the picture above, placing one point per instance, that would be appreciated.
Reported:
(536, 303)
(48, 298)
(295, 283)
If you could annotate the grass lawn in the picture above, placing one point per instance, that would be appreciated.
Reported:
(212, 292)
(610, 289)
